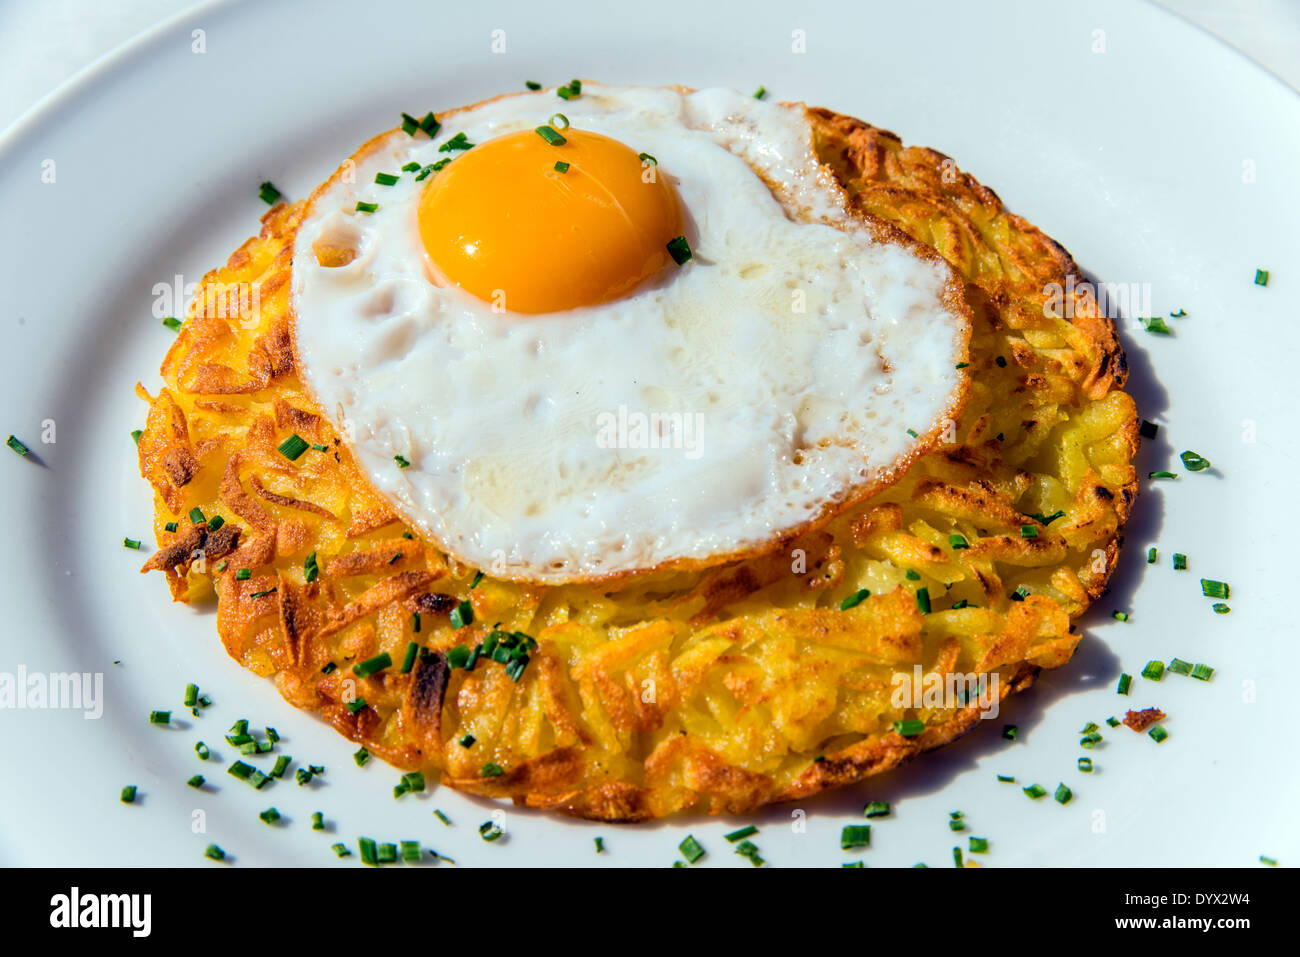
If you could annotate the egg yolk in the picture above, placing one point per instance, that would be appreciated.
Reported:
(505, 224)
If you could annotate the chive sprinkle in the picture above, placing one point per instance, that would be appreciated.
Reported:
(202, 751)
(1194, 462)
(131, 543)
(458, 142)
(292, 447)
(364, 669)
(647, 160)
(979, 845)
(429, 123)
(361, 756)
(1119, 615)
(1063, 794)
(923, 600)
(855, 599)
(357, 704)
(1261, 277)
(462, 615)
(1180, 562)
(679, 249)
(214, 852)
(1214, 589)
(402, 461)
(532, 84)
(268, 193)
(691, 849)
(1007, 778)
(442, 817)
(1162, 475)
(570, 91)
(281, 765)
(741, 834)
(411, 167)
(269, 816)
(600, 845)
(1009, 731)
(760, 93)
(956, 541)
(909, 729)
(1220, 608)
(491, 770)
(1028, 531)
(1085, 765)
(310, 568)
(551, 136)
(489, 831)
(1180, 667)
(135, 434)
(243, 574)
(854, 836)
(1155, 324)
(1202, 672)
(409, 661)
(197, 517)
(876, 809)
(561, 167)
(160, 717)
(559, 121)
(128, 794)
(1125, 682)
(386, 179)
(1155, 670)
(1152, 555)
(1090, 740)
(1158, 734)
(170, 527)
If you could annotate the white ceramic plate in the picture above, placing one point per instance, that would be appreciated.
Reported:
(1155, 154)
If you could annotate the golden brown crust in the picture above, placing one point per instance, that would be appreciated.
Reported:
(719, 689)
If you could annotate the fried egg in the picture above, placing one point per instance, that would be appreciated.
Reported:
(646, 332)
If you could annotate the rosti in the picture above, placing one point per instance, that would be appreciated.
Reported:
(722, 689)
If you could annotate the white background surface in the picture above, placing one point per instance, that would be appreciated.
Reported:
(43, 42)
(1122, 173)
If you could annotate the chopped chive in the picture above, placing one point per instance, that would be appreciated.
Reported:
(1009, 731)
(128, 794)
(1261, 277)
(462, 615)
(962, 603)
(1020, 594)
(361, 756)
(1085, 765)
(160, 717)
(292, 447)
(268, 193)
(1090, 740)
(956, 857)
(411, 851)
(1162, 475)
(1007, 778)
(912, 575)
(679, 249)
(741, 834)
(243, 574)
(442, 817)
(263, 594)
(410, 125)
(1048, 519)
(532, 84)
(415, 622)
(367, 207)
(387, 853)
(956, 825)
(409, 661)
(241, 770)
(197, 517)
(647, 160)
(760, 93)
(491, 770)
(876, 809)
(410, 167)
(1113, 721)
(214, 852)
(561, 167)
(170, 527)
(1220, 608)
(1125, 682)
(691, 849)
(429, 123)
(570, 91)
(1180, 562)
(402, 461)
(855, 835)
(1155, 670)
(269, 816)
(1028, 531)
(1152, 555)
(1063, 794)
(1178, 315)
(281, 765)
(909, 729)
(552, 137)
(1194, 462)
(1119, 615)
(1267, 860)
(1155, 324)
(956, 541)
(131, 543)
(356, 705)
(458, 142)
(600, 845)
(1158, 734)
(135, 434)
(1202, 672)
(923, 600)
(855, 599)
(913, 433)
(979, 845)
(191, 695)
(369, 853)
(413, 781)
(341, 850)
(1180, 667)
(489, 831)
(1214, 589)
(215, 522)
(386, 179)
(961, 365)
(467, 741)
(559, 121)
(202, 751)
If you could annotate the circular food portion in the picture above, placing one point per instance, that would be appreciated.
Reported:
(720, 688)
(490, 313)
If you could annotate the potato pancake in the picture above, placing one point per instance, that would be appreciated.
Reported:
(723, 689)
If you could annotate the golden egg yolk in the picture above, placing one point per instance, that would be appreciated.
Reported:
(505, 224)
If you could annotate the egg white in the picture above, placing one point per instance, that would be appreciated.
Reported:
(715, 409)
